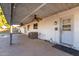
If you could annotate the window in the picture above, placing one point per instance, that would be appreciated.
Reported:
(35, 26)
(66, 25)
(28, 26)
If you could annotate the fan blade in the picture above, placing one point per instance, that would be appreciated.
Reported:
(37, 19)
(40, 18)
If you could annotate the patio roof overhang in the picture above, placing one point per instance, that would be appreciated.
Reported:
(24, 12)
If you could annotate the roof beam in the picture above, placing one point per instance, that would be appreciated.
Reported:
(39, 7)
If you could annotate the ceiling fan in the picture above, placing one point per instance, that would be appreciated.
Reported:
(37, 18)
(21, 24)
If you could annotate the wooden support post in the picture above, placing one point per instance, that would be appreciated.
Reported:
(11, 22)
(11, 35)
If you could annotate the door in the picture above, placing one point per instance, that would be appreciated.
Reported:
(24, 29)
(66, 31)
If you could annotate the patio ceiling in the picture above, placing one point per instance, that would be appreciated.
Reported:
(24, 13)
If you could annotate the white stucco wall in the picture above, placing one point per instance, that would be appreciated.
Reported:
(22, 29)
(76, 31)
(46, 27)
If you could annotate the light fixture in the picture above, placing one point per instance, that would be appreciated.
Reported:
(15, 25)
(14, 6)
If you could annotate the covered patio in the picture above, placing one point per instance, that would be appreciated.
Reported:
(23, 46)
(45, 20)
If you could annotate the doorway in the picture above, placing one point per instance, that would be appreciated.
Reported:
(66, 32)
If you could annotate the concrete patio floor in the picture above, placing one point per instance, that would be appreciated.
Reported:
(23, 46)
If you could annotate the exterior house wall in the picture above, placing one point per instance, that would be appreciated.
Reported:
(22, 29)
(46, 27)
(76, 31)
